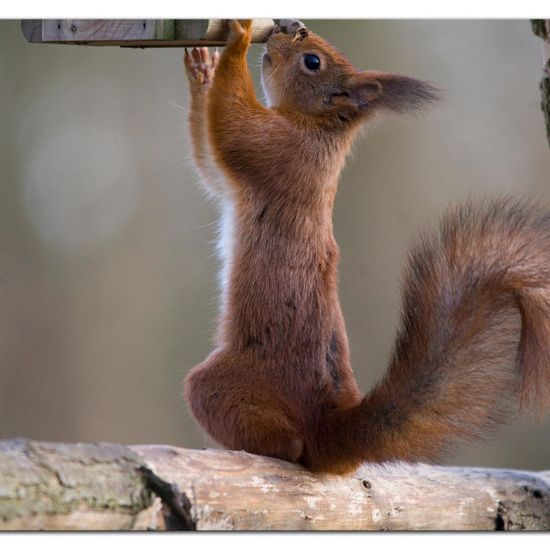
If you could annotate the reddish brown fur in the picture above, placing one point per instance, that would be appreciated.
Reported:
(476, 321)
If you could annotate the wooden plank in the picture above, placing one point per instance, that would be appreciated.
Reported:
(32, 29)
(142, 33)
(106, 30)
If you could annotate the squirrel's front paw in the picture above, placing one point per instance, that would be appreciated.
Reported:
(200, 67)
(240, 32)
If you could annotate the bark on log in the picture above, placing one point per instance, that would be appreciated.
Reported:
(541, 27)
(110, 486)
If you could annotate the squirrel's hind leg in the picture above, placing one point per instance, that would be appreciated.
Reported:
(240, 410)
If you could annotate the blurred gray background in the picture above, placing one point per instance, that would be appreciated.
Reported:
(107, 274)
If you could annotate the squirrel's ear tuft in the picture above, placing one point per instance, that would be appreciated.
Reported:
(375, 90)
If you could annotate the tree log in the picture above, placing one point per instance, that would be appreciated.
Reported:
(541, 27)
(109, 486)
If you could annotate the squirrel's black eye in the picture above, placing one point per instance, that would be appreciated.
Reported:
(312, 62)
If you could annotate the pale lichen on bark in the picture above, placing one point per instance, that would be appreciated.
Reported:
(40, 481)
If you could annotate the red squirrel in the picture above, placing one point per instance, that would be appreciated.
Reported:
(474, 338)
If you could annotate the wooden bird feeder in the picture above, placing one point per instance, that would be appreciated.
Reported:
(137, 33)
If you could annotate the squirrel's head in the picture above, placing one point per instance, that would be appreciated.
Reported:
(302, 72)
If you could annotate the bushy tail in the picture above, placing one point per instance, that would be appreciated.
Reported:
(474, 341)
